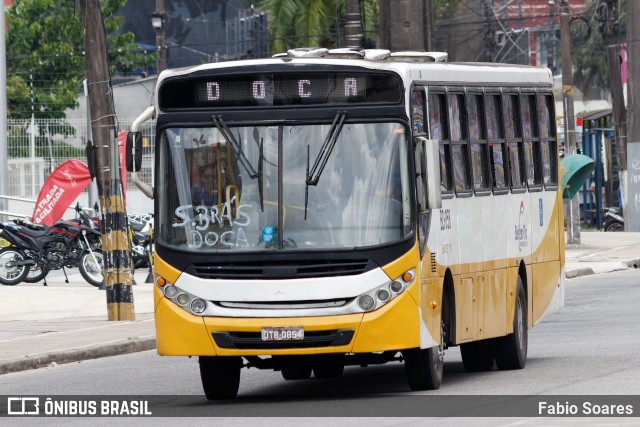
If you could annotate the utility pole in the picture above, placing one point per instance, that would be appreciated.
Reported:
(159, 23)
(352, 24)
(402, 25)
(632, 213)
(115, 237)
(4, 173)
(573, 226)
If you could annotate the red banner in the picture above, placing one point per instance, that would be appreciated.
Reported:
(122, 152)
(60, 190)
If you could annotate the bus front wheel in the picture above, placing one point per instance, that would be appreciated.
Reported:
(510, 351)
(424, 367)
(220, 376)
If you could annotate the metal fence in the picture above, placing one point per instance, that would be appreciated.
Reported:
(36, 147)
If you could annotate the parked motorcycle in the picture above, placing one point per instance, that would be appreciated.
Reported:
(38, 249)
(612, 219)
(142, 239)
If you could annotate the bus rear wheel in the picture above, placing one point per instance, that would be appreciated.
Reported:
(510, 351)
(220, 376)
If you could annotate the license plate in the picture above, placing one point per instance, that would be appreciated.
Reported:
(283, 333)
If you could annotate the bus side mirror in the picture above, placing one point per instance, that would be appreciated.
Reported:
(134, 152)
(428, 173)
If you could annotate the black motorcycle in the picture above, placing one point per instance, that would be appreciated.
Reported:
(70, 243)
(612, 219)
(141, 240)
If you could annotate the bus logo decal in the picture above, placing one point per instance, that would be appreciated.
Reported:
(521, 231)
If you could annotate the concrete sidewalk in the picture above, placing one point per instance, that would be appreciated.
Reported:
(67, 322)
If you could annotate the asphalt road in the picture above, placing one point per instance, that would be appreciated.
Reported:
(591, 347)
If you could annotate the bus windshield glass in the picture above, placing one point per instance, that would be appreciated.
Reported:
(248, 188)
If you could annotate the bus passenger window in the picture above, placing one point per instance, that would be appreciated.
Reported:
(458, 158)
(514, 164)
(478, 143)
(438, 131)
(546, 124)
(531, 142)
(513, 133)
(495, 138)
(417, 111)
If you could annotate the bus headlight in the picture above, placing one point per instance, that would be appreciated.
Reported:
(366, 302)
(170, 291)
(182, 299)
(198, 306)
(381, 295)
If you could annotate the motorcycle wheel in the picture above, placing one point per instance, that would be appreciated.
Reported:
(36, 274)
(615, 226)
(90, 271)
(11, 275)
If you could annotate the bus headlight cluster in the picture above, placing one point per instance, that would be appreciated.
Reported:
(183, 299)
(381, 295)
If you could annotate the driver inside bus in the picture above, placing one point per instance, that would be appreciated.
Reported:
(205, 193)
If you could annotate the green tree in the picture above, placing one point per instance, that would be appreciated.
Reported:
(589, 52)
(313, 23)
(45, 50)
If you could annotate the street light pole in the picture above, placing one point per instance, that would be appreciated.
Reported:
(573, 228)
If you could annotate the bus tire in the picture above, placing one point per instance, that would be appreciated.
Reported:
(424, 367)
(220, 376)
(510, 351)
(477, 356)
(296, 373)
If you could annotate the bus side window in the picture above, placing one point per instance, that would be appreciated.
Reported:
(478, 141)
(417, 111)
(438, 130)
(546, 123)
(513, 137)
(495, 139)
(531, 141)
(459, 156)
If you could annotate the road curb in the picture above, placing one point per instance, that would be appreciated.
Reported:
(579, 272)
(76, 355)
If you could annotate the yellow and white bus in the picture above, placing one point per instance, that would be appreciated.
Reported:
(326, 208)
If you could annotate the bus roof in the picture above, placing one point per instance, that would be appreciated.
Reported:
(427, 67)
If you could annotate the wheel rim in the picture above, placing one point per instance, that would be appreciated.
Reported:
(7, 269)
(520, 324)
(93, 270)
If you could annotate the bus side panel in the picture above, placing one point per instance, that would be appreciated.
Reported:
(466, 290)
(494, 232)
(495, 303)
(512, 283)
(179, 333)
(445, 226)
(545, 227)
(519, 227)
(546, 278)
(469, 234)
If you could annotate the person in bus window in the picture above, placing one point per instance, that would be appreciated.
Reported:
(205, 192)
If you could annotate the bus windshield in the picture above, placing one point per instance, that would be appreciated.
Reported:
(249, 188)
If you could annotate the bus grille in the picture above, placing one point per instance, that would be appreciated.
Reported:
(299, 269)
(253, 340)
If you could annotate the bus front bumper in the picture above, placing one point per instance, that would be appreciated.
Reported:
(396, 326)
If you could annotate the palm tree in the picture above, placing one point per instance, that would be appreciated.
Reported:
(313, 23)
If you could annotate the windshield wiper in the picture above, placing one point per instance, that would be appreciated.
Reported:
(313, 175)
(228, 136)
